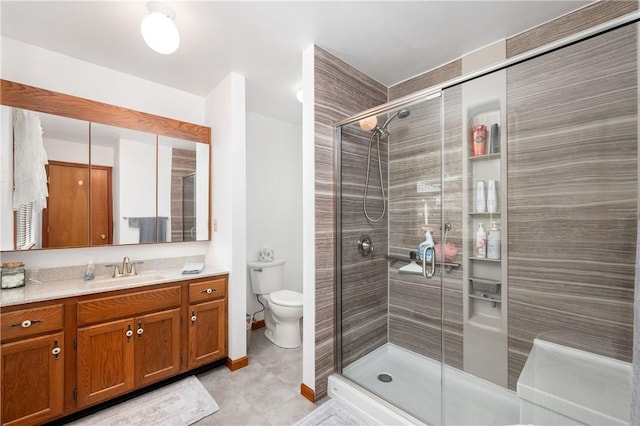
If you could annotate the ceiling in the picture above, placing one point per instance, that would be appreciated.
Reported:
(390, 41)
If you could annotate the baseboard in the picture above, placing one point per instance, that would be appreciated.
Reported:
(237, 364)
(307, 392)
(258, 324)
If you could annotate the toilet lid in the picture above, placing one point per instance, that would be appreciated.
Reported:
(286, 298)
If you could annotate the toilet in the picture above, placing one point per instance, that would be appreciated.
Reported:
(283, 308)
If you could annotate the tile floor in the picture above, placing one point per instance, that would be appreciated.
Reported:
(266, 392)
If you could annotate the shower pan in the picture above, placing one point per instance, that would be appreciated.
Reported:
(560, 154)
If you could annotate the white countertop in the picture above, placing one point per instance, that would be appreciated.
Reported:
(51, 290)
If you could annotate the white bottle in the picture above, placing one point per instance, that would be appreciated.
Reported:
(481, 242)
(481, 203)
(492, 201)
(493, 242)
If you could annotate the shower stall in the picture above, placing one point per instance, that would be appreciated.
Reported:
(490, 221)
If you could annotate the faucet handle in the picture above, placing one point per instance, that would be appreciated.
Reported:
(133, 268)
(116, 270)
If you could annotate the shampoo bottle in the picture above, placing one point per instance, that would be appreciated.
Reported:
(492, 200)
(481, 203)
(493, 242)
(481, 242)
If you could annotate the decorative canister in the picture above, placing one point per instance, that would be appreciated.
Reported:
(479, 139)
(13, 275)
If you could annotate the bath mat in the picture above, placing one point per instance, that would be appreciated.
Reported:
(181, 403)
(333, 413)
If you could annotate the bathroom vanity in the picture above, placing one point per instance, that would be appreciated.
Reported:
(105, 339)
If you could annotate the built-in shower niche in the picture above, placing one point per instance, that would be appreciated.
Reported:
(485, 299)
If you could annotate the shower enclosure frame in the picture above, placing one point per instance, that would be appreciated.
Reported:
(423, 96)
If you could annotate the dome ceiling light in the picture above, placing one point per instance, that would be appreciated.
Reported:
(158, 29)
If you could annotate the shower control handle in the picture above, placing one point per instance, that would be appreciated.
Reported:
(365, 247)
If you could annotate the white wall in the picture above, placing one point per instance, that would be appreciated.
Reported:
(28, 64)
(274, 197)
(225, 113)
(308, 219)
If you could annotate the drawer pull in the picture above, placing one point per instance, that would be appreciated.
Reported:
(208, 290)
(25, 323)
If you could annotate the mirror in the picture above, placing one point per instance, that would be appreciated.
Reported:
(183, 190)
(123, 171)
(109, 185)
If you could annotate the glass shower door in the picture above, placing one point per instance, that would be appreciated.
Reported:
(390, 326)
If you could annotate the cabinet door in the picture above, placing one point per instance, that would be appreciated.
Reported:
(105, 361)
(207, 332)
(157, 346)
(32, 379)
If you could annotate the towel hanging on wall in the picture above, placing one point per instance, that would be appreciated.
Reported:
(29, 160)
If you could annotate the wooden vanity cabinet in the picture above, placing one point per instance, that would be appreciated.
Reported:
(32, 365)
(207, 321)
(114, 357)
(116, 341)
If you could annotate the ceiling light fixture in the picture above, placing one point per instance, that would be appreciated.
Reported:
(158, 29)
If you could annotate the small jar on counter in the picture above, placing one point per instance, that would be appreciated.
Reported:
(13, 275)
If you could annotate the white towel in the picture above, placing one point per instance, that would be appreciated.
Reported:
(29, 160)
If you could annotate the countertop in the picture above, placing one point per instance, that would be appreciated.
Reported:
(57, 289)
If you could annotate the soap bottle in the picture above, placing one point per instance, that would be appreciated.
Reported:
(492, 198)
(90, 272)
(427, 247)
(481, 203)
(481, 242)
(493, 242)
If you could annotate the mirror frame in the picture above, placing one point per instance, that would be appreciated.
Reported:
(23, 96)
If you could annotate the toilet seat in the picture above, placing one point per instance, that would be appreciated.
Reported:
(287, 298)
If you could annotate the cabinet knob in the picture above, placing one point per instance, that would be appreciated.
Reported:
(193, 316)
(103, 237)
(139, 331)
(208, 290)
(25, 323)
(129, 333)
(56, 349)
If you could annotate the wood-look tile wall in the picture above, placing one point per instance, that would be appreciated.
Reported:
(341, 91)
(415, 168)
(573, 196)
(183, 163)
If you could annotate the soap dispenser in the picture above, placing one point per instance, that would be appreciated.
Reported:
(427, 247)
(90, 272)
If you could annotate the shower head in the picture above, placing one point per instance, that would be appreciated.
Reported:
(403, 113)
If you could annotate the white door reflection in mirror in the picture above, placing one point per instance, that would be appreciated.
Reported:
(131, 158)
(183, 188)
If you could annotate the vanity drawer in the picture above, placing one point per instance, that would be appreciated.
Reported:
(32, 321)
(113, 307)
(208, 290)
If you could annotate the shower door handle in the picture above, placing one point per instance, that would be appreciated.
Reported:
(428, 273)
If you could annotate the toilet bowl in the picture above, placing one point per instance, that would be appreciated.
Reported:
(283, 308)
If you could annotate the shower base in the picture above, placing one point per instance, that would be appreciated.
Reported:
(415, 389)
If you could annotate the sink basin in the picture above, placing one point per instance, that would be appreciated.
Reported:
(129, 279)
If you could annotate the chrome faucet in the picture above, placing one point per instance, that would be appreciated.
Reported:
(128, 268)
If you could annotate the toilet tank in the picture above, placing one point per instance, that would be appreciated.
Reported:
(267, 277)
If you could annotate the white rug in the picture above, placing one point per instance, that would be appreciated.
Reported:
(179, 404)
(333, 413)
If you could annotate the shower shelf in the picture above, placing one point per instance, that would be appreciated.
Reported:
(486, 298)
(484, 259)
(484, 214)
(393, 259)
(485, 157)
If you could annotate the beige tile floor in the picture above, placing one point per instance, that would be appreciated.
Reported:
(266, 392)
